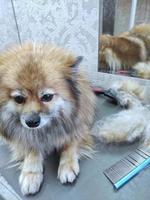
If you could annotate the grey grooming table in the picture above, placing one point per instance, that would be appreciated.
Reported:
(91, 184)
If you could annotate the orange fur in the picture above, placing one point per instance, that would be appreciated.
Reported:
(125, 50)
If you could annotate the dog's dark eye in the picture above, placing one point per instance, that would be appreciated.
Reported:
(19, 99)
(47, 97)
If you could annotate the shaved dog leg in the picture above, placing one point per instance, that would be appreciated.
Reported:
(31, 175)
(69, 163)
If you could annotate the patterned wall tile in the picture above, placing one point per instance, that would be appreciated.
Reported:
(70, 23)
(8, 31)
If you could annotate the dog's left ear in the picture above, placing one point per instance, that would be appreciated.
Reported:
(72, 80)
(75, 66)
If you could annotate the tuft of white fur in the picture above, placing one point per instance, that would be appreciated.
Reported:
(16, 93)
(46, 91)
(142, 69)
(61, 104)
(112, 60)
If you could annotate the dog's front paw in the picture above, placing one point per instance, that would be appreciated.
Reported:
(30, 182)
(68, 171)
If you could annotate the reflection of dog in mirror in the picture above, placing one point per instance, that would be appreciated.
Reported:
(45, 104)
(132, 123)
(124, 51)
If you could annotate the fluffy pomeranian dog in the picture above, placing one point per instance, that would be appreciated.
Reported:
(45, 104)
(132, 123)
(123, 51)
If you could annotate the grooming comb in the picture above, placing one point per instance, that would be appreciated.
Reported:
(125, 169)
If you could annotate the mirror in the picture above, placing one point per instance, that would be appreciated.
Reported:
(125, 38)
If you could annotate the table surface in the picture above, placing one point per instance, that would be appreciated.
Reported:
(91, 183)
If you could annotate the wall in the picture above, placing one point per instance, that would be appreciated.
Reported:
(72, 24)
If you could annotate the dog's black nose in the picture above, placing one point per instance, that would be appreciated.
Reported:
(33, 121)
